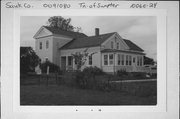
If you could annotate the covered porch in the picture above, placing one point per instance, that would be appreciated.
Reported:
(114, 60)
(67, 63)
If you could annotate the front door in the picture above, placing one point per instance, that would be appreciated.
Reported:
(70, 63)
(63, 63)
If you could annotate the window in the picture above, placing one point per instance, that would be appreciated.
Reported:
(47, 44)
(119, 59)
(90, 60)
(112, 45)
(75, 62)
(134, 59)
(111, 58)
(117, 46)
(105, 59)
(126, 59)
(69, 60)
(46, 59)
(122, 61)
(40, 45)
(115, 39)
(130, 60)
(138, 61)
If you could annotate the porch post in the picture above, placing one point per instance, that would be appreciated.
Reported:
(143, 60)
(73, 63)
(60, 62)
(114, 64)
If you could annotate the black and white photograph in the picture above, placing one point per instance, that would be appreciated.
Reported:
(88, 60)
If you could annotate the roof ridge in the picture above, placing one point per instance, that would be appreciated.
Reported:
(89, 41)
(99, 35)
(62, 29)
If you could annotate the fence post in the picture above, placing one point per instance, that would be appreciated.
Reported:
(47, 80)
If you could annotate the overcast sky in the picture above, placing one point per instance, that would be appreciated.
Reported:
(140, 29)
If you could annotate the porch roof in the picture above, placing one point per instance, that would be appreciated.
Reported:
(124, 51)
(133, 46)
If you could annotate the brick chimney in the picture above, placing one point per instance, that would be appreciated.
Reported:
(96, 31)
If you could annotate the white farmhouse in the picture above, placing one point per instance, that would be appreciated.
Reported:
(112, 51)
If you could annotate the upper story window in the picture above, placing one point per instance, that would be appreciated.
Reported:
(40, 45)
(115, 39)
(90, 60)
(105, 59)
(117, 47)
(112, 45)
(47, 44)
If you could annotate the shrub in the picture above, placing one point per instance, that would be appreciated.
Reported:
(86, 79)
(53, 68)
(122, 73)
(69, 79)
(92, 71)
(80, 79)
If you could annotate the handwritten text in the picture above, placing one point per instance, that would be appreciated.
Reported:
(56, 5)
(150, 5)
(98, 5)
(18, 5)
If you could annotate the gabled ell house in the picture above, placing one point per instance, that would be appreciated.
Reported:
(111, 51)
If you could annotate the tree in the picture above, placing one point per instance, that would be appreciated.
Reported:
(148, 61)
(28, 59)
(53, 68)
(62, 23)
(80, 58)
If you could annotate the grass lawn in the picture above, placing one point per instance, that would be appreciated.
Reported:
(64, 95)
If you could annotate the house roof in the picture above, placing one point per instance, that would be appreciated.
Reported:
(125, 51)
(59, 31)
(87, 41)
(132, 46)
(97, 41)
(80, 40)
